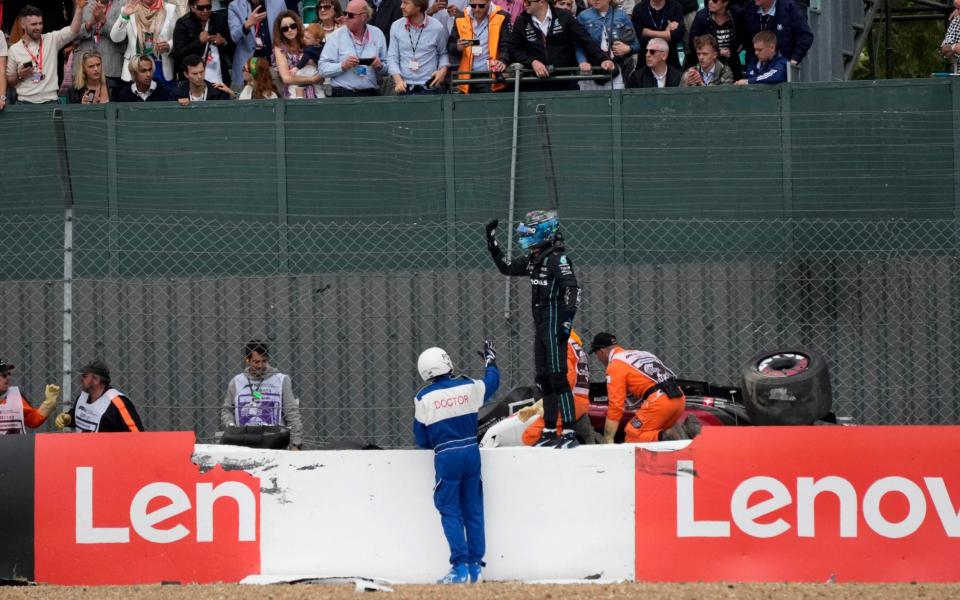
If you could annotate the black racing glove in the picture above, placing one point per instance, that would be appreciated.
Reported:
(488, 354)
(491, 228)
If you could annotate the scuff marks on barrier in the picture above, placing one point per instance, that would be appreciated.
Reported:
(206, 462)
(312, 467)
(276, 491)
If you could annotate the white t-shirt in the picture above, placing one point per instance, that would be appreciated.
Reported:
(212, 55)
(26, 50)
(544, 25)
(3, 44)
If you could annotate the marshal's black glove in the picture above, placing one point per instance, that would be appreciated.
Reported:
(491, 228)
(488, 354)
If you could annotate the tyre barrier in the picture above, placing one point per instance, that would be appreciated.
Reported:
(786, 387)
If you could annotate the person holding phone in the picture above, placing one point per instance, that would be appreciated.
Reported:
(480, 42)
(90, 85)
(32, 62)
(354, 56)
(98, 19)
(417, 59)
(251, 23)
(206, 34)
(148, 25)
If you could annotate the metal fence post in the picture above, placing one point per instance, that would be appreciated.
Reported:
(517, 68)
(449, 172)
(616, 129)
(786, 148)
(67, 189)
(113, 203)
(283, 258)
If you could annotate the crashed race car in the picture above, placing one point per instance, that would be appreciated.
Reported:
(783, 387)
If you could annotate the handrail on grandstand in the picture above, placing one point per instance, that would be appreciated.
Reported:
(556, 74)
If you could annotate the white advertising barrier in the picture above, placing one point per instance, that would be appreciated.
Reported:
(550, 514)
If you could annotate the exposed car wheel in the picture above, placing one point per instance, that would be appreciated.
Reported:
(786, 387)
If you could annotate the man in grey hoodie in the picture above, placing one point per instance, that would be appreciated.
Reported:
(262, 395)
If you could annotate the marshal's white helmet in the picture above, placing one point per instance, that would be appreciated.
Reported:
(434, 362)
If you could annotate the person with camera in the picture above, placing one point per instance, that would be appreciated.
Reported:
(89, 85)
(32, 62)
(98, 19)
(611, 28)
(544, 39)
(480, 41)
(100, 407)
(417, 56)
(16, 413)
(262, 395)
(206, 34)
(354, 56)
(251, 23)
(147, 25)
(445, 421)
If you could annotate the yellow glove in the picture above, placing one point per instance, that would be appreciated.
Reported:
(51, 396)
(531, 412)
(63, 420)
(610, 430)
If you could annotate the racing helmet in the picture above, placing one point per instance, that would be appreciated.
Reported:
(434, 362)
(540, 227)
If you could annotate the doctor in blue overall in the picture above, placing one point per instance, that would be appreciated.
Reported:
(445, 420)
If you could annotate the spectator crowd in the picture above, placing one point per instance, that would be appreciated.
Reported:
(98, 51)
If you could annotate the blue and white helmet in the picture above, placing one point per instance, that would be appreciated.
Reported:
(540, 227)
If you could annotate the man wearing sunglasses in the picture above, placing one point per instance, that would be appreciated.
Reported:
(16, 414)
(658, 73)
(554, 296)
(480, 42)
(543, 38)
(203, 33)
(354, 56)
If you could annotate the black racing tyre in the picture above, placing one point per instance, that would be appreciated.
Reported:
(786, 387)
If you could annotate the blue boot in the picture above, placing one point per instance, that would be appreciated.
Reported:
(458, 574)
(476, 572)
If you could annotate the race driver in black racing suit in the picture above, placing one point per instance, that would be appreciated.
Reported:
(554, 295)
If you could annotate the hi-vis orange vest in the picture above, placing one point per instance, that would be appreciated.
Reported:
(465, 31)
